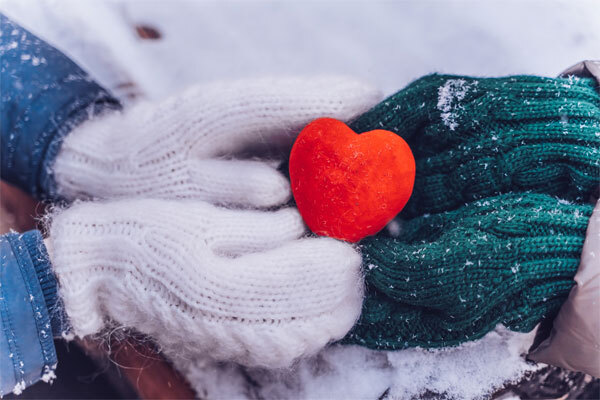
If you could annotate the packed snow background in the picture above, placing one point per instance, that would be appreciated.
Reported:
(386, 43)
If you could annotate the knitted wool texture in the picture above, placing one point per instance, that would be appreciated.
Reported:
(235, 285)
(452, 277)
(473, 138)
(508, 258)
(176, 148)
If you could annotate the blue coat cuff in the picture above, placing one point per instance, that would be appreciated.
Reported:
(28, 296)
(44, 96)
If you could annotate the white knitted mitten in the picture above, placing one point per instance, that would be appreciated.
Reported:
(175, 149)
(202, 280)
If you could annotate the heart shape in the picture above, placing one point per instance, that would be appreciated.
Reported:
(349, 186)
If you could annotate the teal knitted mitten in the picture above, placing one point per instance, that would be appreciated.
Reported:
(473, 138)
(452, 277)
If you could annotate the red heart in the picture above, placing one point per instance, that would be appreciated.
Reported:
(349, 186)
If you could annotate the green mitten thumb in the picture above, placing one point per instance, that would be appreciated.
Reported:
(479, 137)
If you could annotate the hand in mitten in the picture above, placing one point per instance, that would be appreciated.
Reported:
(473, 138)
(452, 277)
(201, 280)
(175, 149)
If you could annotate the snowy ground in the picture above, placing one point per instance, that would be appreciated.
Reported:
(472, 370)
(387, 43)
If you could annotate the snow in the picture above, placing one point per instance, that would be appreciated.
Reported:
(449, 96)
(394, 228)
(386, 43)
(48, 376)
(470, 371)
(19, 387)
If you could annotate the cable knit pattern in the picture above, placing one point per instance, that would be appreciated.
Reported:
(174, 149)
(483, 240)
(479, 137)
(452, 277)
(234, 285)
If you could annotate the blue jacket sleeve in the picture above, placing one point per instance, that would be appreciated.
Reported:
(30, 312)
(43, 96)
